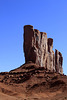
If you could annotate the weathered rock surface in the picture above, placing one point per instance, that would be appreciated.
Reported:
(38, 49)
(32, 82)
(41, 77)
(58, 61)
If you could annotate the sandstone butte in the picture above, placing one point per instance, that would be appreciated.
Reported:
(38, 49)
(41, 77)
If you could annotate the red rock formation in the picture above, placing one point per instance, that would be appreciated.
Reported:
(28, 34)
(58, 61)
(38, 49)
(50, 57)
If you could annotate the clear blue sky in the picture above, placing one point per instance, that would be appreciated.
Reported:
(49, 16)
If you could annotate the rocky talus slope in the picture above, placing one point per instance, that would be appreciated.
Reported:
(31, 82)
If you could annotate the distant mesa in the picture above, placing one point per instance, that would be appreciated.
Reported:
(38, 49)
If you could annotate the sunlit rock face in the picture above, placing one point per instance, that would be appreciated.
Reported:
(58, 61)
(50, 57)
(38, 49)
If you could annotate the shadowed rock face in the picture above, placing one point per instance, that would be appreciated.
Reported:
(38, 49)
(50, 44)
(28, 34)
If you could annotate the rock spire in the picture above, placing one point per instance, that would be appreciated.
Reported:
(38, 49)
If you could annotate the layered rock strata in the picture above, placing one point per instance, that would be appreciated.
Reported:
(38, 49)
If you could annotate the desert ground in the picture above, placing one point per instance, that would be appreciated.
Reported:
(31, 82)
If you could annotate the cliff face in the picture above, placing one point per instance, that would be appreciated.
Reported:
(38, 49)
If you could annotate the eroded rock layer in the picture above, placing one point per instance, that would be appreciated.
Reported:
(38, 49)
